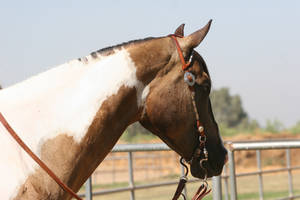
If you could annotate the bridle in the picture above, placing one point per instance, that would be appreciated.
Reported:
(189, 79)
(203, 190)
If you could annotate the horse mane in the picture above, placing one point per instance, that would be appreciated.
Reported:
(106, 51)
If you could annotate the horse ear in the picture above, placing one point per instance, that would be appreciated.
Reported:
(194, 39)
(180, 30)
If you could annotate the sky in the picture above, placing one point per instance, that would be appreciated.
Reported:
(253, 47)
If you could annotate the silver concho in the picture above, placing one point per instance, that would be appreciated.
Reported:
(189, 78)
(200, 129)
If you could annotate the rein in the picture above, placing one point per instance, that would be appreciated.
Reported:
(189, 78)
(36, 159)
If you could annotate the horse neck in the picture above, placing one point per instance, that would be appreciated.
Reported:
(75, 122)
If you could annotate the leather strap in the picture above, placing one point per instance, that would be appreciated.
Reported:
(202, 191)
(179, 189)
(200, 194)
(36, 159)
(184, 65)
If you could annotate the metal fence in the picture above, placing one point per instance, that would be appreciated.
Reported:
(258, 146)
(147, 167)
(229, 180)
(130, 149)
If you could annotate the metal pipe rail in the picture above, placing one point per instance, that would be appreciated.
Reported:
(259, 146)
(140, 147)
(263, 145)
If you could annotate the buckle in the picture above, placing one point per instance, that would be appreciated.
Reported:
(202, 139)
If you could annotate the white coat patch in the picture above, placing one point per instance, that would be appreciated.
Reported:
(63, 100)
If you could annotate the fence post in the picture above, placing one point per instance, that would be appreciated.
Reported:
(290, 177)
(88, 189)
(232, 175)
(131, 178)
(226, 193)
(217, 188)
(182, 174)
(260, 179)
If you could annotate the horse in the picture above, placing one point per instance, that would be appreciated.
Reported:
(72, 115)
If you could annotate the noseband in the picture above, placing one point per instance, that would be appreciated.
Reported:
(189, 78)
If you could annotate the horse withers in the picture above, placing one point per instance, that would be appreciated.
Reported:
(72, 115)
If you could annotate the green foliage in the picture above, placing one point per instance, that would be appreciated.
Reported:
(246, 126)
(136, 132)
(230, 114)
(226, 131)
(274, 126)
(228, 109)
(135, 129)
(296, 128)
(0, 87)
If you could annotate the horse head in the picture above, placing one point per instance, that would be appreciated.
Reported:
(169, 111)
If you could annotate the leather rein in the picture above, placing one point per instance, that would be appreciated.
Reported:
(36, 159)
(203, 189)
(189, 78)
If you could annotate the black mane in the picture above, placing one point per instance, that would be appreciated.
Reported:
(110, 50)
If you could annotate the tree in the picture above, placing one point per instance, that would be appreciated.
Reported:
(228, 109)
(135, 129)
(136, 132)
(274, 126)
(0, 87)
(296, 128)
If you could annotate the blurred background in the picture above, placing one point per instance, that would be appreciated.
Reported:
(252, 52)
(252, 48)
